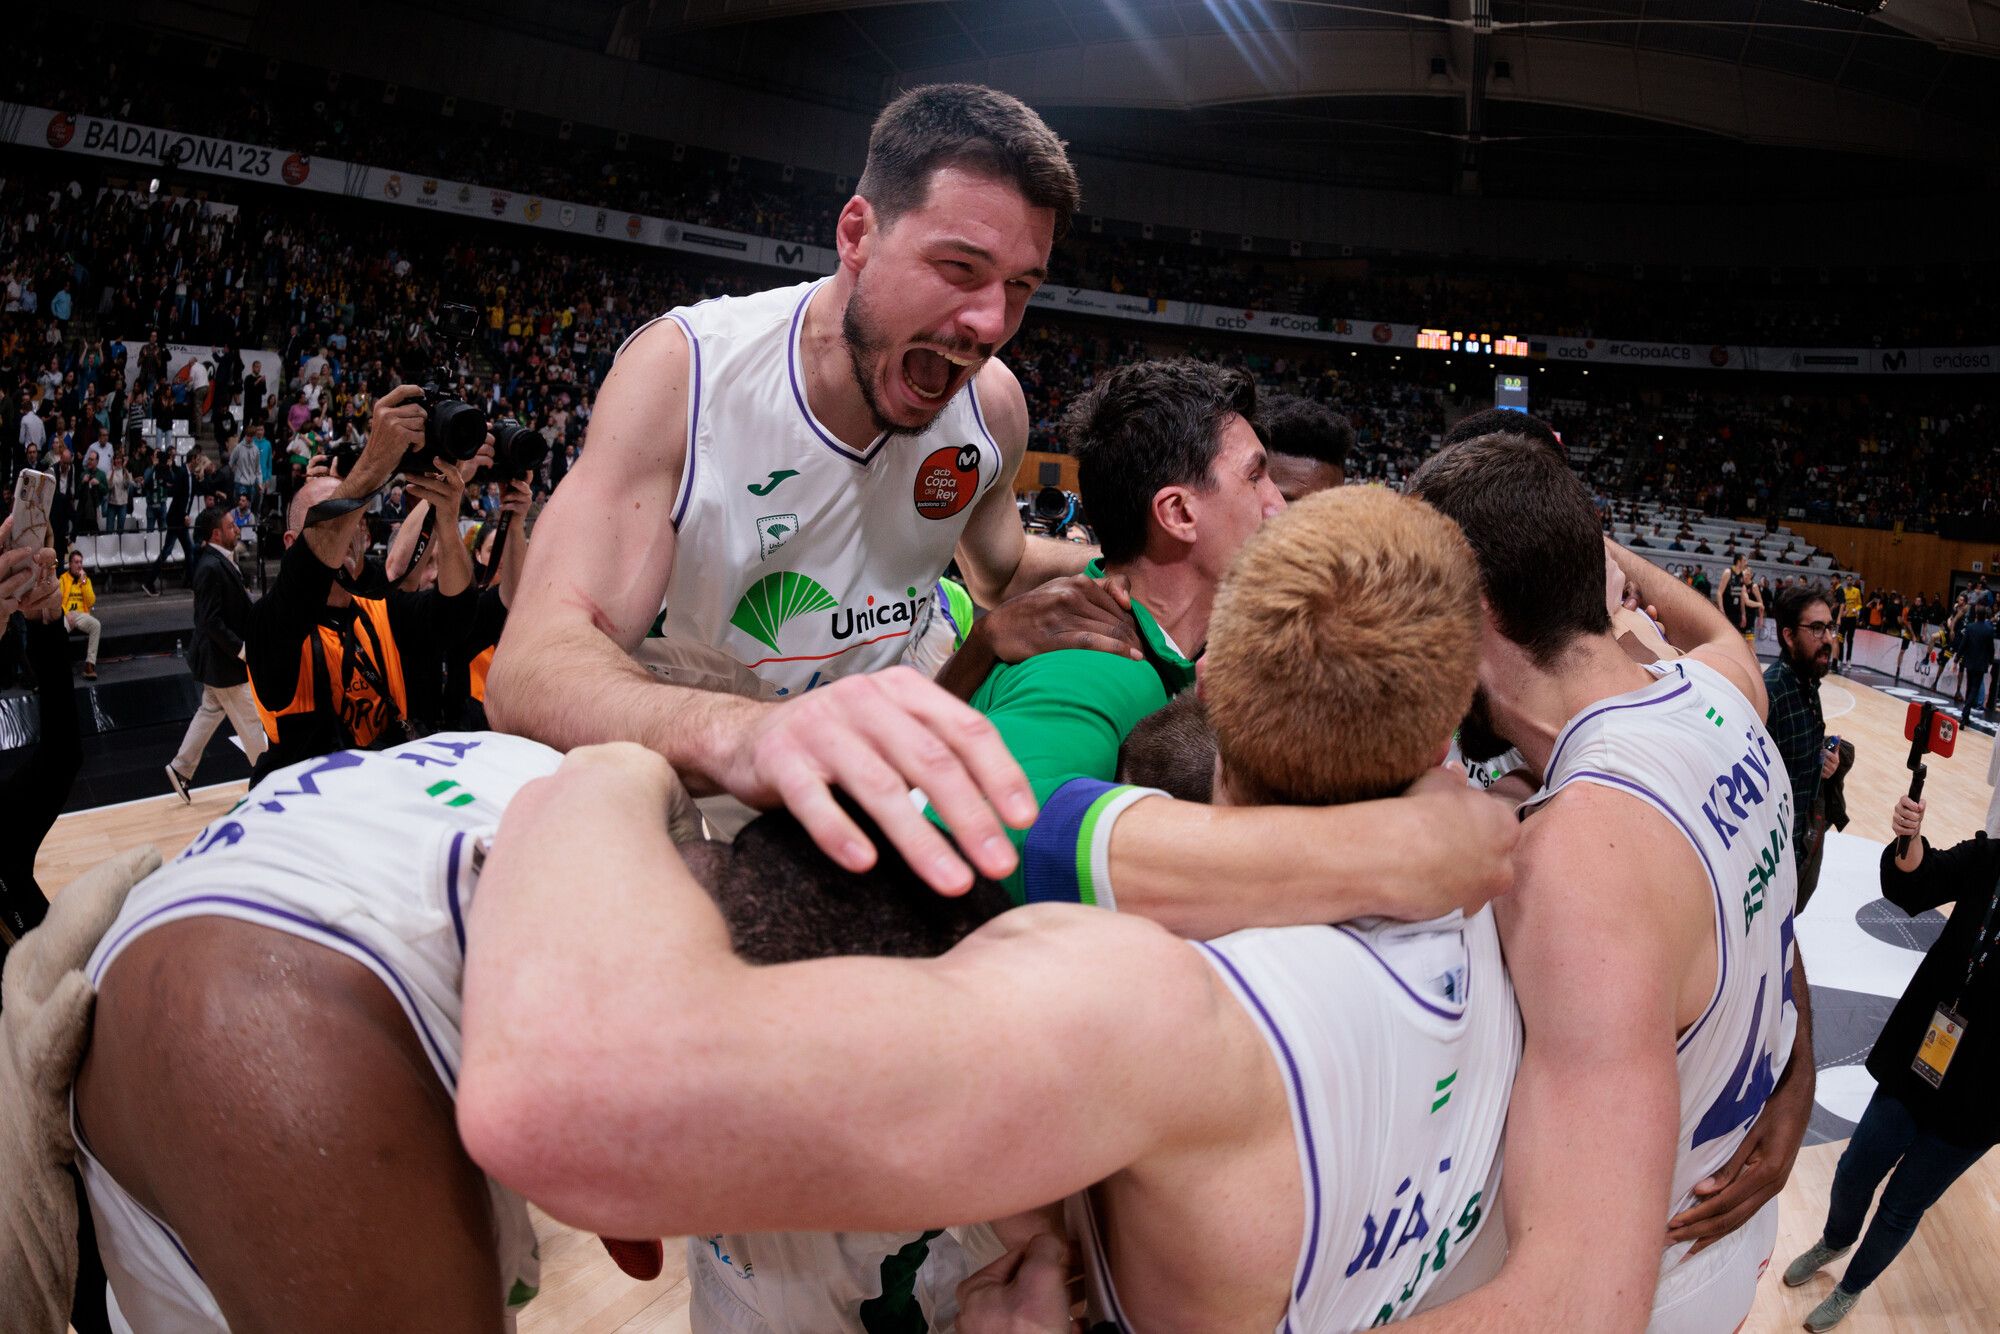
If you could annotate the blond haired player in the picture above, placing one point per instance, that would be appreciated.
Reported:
(1298, 1127)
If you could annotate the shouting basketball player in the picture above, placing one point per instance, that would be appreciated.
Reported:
(773, 485)
(1668, 1074)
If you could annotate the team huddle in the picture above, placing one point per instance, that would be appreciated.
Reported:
(1145, 931)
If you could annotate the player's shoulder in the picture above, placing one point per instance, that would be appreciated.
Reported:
(1001, 403)
(720, 319)
(1067, 938)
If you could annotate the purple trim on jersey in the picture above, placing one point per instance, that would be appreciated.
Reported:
(1305, 1119)
(1721, 933)
(1551, 769)
(799, 394)
(409, 1001)
(999, 459)
(694, 423)
(451, 889)
(1408, 990)
(76, 1121)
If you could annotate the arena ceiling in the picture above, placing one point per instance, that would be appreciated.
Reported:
(1504, 96)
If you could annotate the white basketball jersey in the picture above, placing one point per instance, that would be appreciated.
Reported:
(1692, 747)
(1398, 1044)
(385, 880)
(801, 560)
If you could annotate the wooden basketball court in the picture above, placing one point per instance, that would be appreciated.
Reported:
(1945, 1282)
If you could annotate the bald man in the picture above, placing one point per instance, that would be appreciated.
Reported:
(328, 629)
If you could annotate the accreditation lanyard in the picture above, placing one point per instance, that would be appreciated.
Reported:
(1947, 1026)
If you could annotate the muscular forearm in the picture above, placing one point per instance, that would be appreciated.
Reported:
(1688, 619)
(1203, 871)
(633, 953)
(403, 550)
(1043, 559)
(966, 670)
(513, 560)
(454, 561)
(1801, 1075)
(572, 686)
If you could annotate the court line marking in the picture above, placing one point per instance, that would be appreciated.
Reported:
(137, 801)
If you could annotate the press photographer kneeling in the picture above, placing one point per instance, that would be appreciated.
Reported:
(339, 658)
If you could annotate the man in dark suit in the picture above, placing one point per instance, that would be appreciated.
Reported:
(1975, 658)
(180, 503)
(215, 654)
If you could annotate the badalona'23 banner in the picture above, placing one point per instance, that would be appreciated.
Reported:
(39, 127)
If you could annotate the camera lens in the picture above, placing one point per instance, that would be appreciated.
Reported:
(517, 450)
(456, 429)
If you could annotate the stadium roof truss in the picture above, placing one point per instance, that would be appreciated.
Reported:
(1915, 78)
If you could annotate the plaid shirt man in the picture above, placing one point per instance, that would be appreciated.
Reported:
(1799, 728)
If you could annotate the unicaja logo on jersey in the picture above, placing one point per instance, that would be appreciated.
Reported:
(848, 622)
(775, 599)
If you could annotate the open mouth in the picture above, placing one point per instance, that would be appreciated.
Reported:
(933, 375)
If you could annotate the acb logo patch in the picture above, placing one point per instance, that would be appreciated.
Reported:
(947, 481)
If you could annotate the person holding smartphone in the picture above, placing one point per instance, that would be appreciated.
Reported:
(1936, 1108)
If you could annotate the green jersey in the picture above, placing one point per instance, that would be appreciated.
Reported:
(1063, 716)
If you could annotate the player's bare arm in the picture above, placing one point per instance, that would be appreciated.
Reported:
(1440, 846)
(1695, 626)
(998, 558)
(1762, 1164)
(564, 674)
(640, 1080)
(1598, 943)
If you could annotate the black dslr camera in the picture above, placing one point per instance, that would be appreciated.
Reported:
(517, 451)
(453, 428)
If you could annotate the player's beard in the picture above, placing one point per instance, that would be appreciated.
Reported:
(868, 346)
(1477, 740)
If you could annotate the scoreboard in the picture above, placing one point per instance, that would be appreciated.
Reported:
(1510, 391)
(1485, 344)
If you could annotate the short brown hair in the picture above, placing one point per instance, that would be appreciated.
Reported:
(1343, 649)
(1535, 529)
(964, 125)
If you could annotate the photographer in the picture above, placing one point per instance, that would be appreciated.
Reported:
(1936, 1108)
(338, 662)
(467, 663)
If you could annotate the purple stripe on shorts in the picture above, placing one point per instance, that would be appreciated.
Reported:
(1409, 991)
(1550, 768)
(1721, 934)
(451, 889)
(1305, 1118)
(319, 928)
(694, 420)
(799, 393)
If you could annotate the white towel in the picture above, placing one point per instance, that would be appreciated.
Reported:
(45, 1006)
